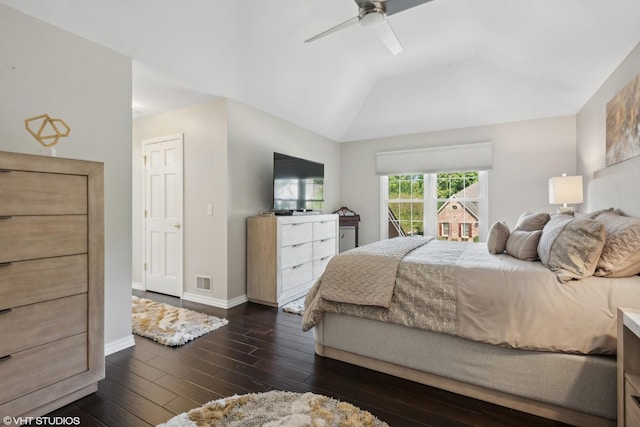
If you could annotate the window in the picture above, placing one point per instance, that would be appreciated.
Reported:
(465, 230)
(449, 205)
(405, 205)
(444, 229)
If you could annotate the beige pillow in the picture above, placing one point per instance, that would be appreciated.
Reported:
(531, 221)
(621, 254)
(571, 247)
(524, 244)
(498, 235)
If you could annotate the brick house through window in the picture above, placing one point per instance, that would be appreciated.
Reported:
(458, 216)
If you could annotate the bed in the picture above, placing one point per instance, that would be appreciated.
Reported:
(551, 354)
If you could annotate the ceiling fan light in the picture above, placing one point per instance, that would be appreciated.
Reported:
(372, 18)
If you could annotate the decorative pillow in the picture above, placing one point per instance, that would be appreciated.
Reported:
(498, 235)
(571, 247)
(531, 221)
(524, 244)
(621, 254)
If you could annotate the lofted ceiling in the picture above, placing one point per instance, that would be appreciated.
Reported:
(464, 63)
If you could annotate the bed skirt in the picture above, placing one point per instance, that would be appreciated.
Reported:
(574, 389)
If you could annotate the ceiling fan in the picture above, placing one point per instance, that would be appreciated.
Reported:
(374, 14)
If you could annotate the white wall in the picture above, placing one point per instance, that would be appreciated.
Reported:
(228, 162)
(253, 137)
(591, 119)
(525, 155)
(46, 70)
(205, 182)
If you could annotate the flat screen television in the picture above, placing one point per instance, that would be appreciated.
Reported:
(297, 184)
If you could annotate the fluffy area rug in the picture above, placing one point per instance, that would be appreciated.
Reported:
(276, 408)
(170, 325)
(295, 306)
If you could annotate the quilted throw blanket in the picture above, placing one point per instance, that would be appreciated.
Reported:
(424, 295)
(367, 275)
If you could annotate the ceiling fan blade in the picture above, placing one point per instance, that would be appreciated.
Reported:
(388, 37)
(345, 24)
(395, 6)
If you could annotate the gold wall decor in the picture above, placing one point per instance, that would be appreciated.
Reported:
(45, 130)
(623, 124)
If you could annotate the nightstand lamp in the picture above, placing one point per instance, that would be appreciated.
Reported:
(565, 190)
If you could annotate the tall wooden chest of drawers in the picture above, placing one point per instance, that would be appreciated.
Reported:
(287, 254)
(51, 282)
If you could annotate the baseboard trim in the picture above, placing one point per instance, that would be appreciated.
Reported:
(138, 286)
(117, 345)
(214, 302)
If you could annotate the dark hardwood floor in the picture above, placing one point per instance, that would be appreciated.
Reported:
(263, 349)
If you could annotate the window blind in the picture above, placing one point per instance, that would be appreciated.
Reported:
(450, 158)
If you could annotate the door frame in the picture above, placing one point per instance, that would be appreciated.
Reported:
(144, 143)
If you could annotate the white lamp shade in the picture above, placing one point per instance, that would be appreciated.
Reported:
(565, 189)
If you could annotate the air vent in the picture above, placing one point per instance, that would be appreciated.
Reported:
(203, 283)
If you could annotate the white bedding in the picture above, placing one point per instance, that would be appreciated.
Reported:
(496, 299)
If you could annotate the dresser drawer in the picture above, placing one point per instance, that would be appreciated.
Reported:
(319, 265)
(29, 237)
(36, 324)
(42, 279)
(41, 366)
(35, 193)
(297, 275)
(296, 254)
(324, 230)
(293, 234)
(631, 406)
(324, 248)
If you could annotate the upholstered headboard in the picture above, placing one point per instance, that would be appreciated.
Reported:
(616, 186)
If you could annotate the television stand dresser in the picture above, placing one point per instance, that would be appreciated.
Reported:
(287, 254)
(51, 282)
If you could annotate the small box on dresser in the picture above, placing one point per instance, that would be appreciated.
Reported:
(628, 368)
(51, 282)
(287, 254)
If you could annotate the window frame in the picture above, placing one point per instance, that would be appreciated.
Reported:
(431, 225)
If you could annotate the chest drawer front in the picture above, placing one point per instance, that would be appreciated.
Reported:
(293, 234)
(29, 237)
(296, 254)
(294, 276)
(36, 324)
(41, 366)
(324, 248)
(324, 230)
(319, 265)
(42, 279)
(34, 193)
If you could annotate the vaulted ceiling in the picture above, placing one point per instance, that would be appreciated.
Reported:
(464, 63)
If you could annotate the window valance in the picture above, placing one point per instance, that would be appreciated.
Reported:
(449, 158)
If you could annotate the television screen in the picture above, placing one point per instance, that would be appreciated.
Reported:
(297, 184)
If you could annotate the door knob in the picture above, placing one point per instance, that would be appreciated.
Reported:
(177, 225)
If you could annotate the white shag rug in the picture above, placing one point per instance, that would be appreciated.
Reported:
(276, 408)
(170, 325)
(295, 306)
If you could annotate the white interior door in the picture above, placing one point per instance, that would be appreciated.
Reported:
(163, 215)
